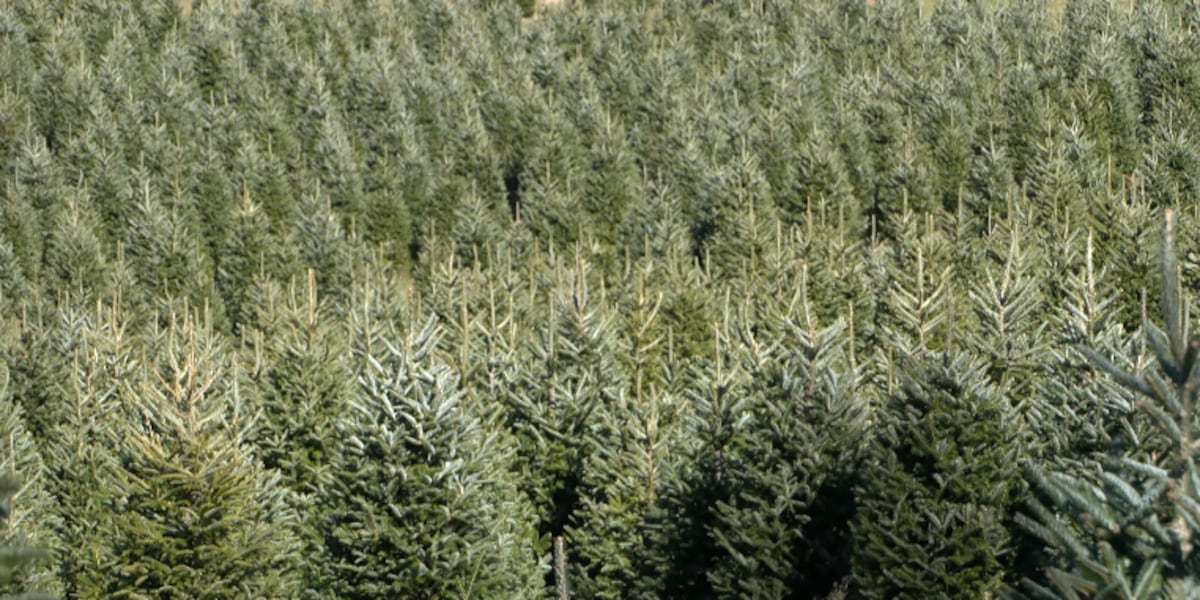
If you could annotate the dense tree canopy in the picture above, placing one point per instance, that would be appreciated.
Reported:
(606, 299)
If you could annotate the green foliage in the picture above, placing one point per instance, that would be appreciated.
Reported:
(613, 538)
(76, 262)
(193, 515)
(84, 363)
(165, 255)
(938, 487)
(567, 402)
(1133, 521)
(324, 246)
(625, 219)
(15, 556)
(422, 503)
(687, 510)
(26, 516)
(783, 531)
(297, 367)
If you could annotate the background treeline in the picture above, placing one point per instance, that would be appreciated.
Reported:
(657, 299)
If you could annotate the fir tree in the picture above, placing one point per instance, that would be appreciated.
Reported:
(422, 504)
(13, 285)
(166, 256)
(15, 556)
(26, 508)
(938, 487)
(336, 167)
(655, 227)
(87, 361)
(193, 513)
(784, 530)
(1109, 94)
(613, 184)
(550, 191)
(32, 196)
(1125, 530)
(244, 254)
(1097, 404)
(386, 216)
(303, 383)
(261, 171)
(738, 213)
(76, 262)
(821, 177)
(613, 540)
(566, 403)
(323, 245)
(686, 512)
(918, 309)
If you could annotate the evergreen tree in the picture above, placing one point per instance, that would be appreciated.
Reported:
(821, 177)
(193, 515)
(938, 486)
(387, 221)
(32, 195)
(565, 404)
(1097, 404)
(103, 170)
(1007, 303)
(1125, 530)
(261, 172)
(252, 250)
(655, 227)
(336, 167)
(784, 531)
(15, 556)
(13, 285)
(687, 509)
(324, 246)
(166, 255)
(422, 502)
(76, 262)
(613, 540)
(613, 184)
(550, 201)
(83, 366)
(26, 508)
(1110, 96)
(298, 367)
(918, 311)
(739, 213)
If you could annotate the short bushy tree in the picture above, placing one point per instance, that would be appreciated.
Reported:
(939, 486)
(193, 514)
(422, 503)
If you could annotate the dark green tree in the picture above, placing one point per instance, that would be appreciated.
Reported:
(565, 404)
(784, 531)
(76, 260)
(713, 425)
(297, 366)
(938, 487)
(166, 254)
(80, 368)
(251, 250)
(16, 556)
(324, 245)
(614, 540)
